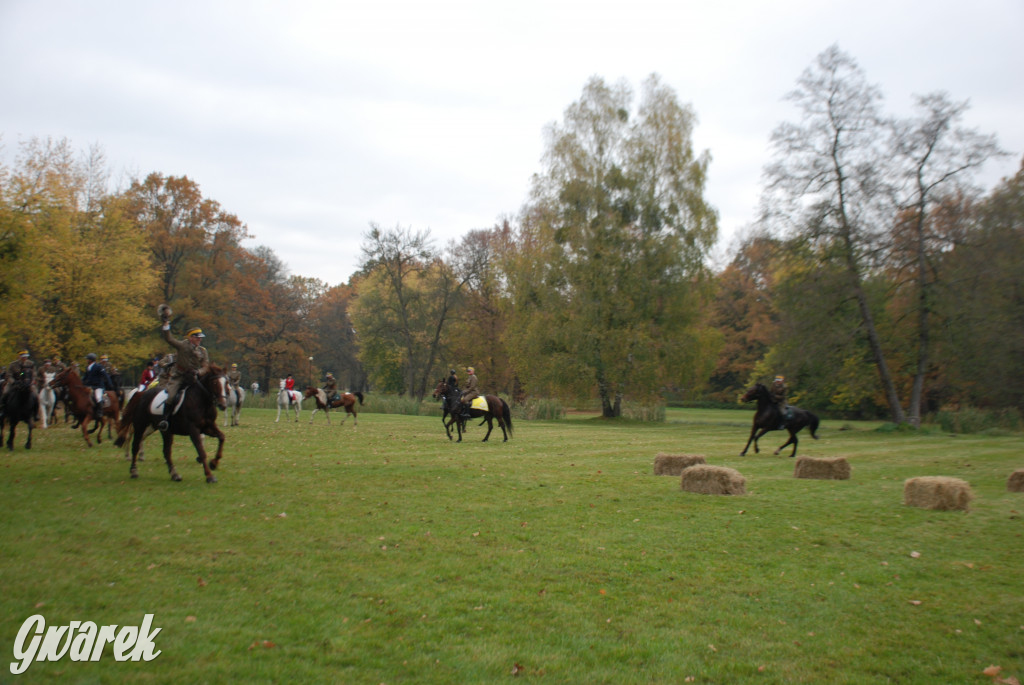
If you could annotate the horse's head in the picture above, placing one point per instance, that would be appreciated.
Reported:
(310, 391)
(441, 390)
(754, 393)
(216, 383)
(281, 384)
(62, 377)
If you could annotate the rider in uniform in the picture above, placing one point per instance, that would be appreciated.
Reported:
(331, 388)
(234, 376)
(191, 361)
(470, 392)
(22, 368)
(778, 392)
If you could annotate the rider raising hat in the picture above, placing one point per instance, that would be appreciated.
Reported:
(191, 361)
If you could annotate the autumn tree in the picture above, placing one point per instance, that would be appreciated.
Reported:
(195, 245)
(937, 157)
(405, 300)
(613, 245)
(830, 182)
(81, 276)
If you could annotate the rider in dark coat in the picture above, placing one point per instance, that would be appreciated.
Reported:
(21, 369)
(96, 378)
(778, 392)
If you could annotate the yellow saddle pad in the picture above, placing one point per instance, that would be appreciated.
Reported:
(479, 403)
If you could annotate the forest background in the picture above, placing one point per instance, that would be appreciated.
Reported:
(877, 278)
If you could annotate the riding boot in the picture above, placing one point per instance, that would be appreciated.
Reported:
(97, 411)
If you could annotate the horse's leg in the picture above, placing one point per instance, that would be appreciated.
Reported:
(197, 441)
(168, 437)
(792, 439)
(215, 432)
(490, 427)
(753, 431)
(85, 431)
(278, 409)
(137, 438)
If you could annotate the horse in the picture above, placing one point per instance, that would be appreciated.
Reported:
(346, 400)
(496, 409)
(235, 397)
(442, 392)
(769, 418)
(20, 406)
(47, 400)
(288, 399)
(79, 402)
(195, 415)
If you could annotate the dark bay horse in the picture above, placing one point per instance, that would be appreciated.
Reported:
(195, 416)
(346, 400)
(79, 402)
(496, 409)
(20, 406)
(768, 418)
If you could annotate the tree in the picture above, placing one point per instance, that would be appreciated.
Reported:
(743, 312)
(81, 279)
(617, 231)
(830, 182)
(404, 303)
(195, 245)
(938, 158)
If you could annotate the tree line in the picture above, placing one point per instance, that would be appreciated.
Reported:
(877, 278)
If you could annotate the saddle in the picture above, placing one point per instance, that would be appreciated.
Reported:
(156, 407)
(479, 403)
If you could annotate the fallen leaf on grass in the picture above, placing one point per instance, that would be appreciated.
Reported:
(915, 555)
(265, 644)
(202, 583)
(992, 671)
(190, 619)
(516, 669)
(915, 602)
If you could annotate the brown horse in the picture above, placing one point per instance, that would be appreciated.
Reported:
(195, 416)
(496, 409)
(347, 400)
(79, 402)
(769, 418)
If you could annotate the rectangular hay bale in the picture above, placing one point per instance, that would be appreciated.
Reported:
(1015, 483)
(937, 492)
(674, 464)
(713, 480)
(836, 468)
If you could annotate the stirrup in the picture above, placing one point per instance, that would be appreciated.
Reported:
(162, 426)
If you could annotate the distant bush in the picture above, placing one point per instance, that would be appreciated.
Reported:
(975, 420)
(539, 409)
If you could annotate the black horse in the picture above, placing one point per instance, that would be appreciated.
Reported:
(21, 405)
(769, 418)
(197, 416)
(496, 409)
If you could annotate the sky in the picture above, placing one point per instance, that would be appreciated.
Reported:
(310, 120)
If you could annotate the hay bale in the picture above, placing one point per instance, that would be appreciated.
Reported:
(836, 468)
(713, 480)
(674, 464)
(1016, 481)
(937, 492)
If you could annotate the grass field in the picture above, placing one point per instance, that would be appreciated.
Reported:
(387, 554)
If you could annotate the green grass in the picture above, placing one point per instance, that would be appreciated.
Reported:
(387, 554)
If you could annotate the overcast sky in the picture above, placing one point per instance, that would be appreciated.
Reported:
(311, 119)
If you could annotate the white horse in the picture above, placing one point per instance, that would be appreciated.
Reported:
(288, 399)
(235, 398)
(47, 400)
(255, 387)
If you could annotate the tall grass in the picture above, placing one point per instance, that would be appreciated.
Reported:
(386, 553)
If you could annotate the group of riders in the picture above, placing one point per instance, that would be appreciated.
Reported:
(172, 371)
(467, 394)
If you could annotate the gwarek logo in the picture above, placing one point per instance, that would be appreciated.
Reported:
(81, 641)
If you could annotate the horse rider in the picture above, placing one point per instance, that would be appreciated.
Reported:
(234, 376)
(453, 381)
(22, 368)
(40, 380)
(98, 381)
(778, 392)
(470, 392)
(289, 383)
(148, 375)
(191, 361)
(331, 388)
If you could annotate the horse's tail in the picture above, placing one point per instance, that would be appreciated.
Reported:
(813, 425)
(359, 395)
(127, 418)
(506, 415)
